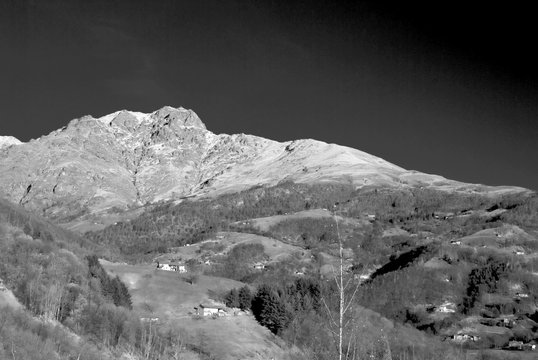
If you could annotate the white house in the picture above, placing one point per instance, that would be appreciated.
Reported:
(150, 320)
(171, 266)
(164, 266)
(180, 268)
(447, 307)
(461, 337)
(259, 266)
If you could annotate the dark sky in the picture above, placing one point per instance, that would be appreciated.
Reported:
(446, 88)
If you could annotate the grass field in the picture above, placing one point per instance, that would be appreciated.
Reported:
(234, 337)
(501, 355)
(167, 296)
(224, 241)
(166, 293)
(264, 224)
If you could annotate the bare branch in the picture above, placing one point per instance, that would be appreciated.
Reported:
(329, 312)
(351, 299)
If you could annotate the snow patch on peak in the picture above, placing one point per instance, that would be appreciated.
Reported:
(168, 109)
(6, 141)
(139, 117)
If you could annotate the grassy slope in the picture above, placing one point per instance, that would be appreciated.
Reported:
(265, 223)
(501, 355)
(273, 248)
(167, 293)
(236, 337)
(167, 296)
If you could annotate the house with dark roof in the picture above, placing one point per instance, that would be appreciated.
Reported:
(211, 309)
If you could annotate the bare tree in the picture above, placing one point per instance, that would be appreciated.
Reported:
(343, 328)
(177, 344)
(343, 287)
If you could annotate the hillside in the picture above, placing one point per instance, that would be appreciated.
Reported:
(170, 301)
(57, 303)
(424, 258)
(43, 285)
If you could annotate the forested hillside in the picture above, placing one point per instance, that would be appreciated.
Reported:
(171, 224)
(72, 309)
(440, 263)
(422, 269)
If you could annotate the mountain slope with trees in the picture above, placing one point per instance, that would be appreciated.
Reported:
(407, 252)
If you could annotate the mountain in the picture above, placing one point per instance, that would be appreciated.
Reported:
(438, 266)
(127, 159)
(6, 141)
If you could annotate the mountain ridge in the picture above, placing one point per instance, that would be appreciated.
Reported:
(126, 159)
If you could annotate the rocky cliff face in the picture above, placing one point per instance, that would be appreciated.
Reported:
(127, 159)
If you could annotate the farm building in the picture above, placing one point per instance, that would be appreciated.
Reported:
(463, 337)
(150, 320)
(171, 266)
(259, 266)
(211, 309)
(520, 295)
(446, 307)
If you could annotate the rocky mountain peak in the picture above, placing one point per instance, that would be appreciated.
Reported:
(6, 141)
(179, 117)
(127, 120)
(176, 119)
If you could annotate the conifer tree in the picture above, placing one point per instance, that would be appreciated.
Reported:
(270, 310)
(245, 298)
(232, 298)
